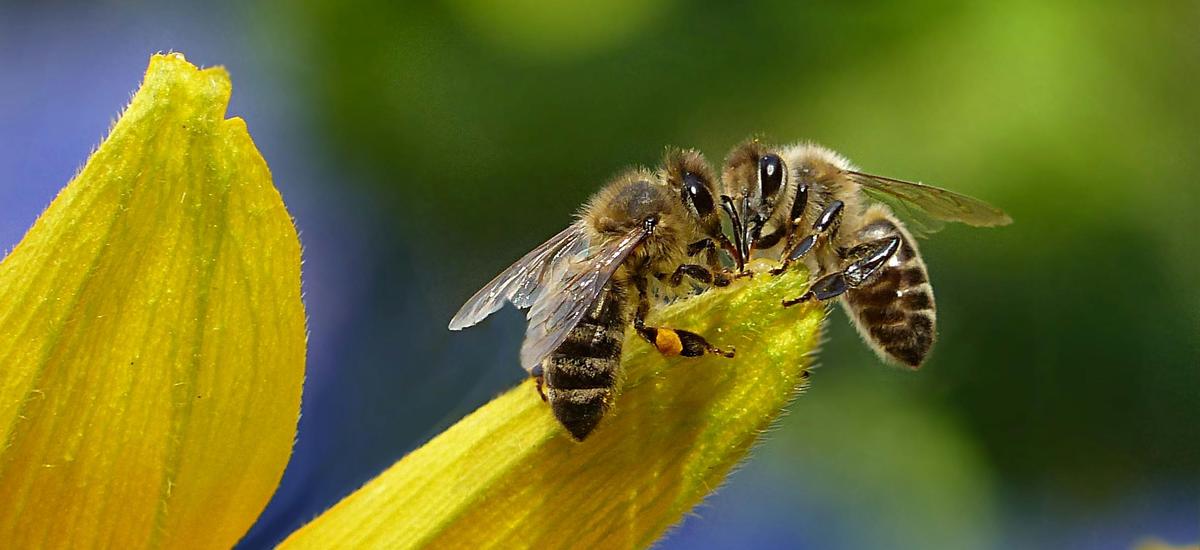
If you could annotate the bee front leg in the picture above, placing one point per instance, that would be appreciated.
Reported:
(771, 239)
(799, 206)
(868, 259)
(702, 245)
(667, 341)
(719, 275)
(696, 272)
(826, 227)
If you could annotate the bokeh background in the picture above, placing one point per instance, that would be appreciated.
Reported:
(422, 148)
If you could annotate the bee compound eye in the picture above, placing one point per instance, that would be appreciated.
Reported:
(770, 175)
(696, 194)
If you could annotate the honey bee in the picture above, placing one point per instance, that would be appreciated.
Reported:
(806, 203)
(588, 283)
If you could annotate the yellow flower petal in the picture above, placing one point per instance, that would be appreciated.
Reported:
(508, 476)
(151, 335)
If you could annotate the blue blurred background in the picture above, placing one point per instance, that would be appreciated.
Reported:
(421, 148)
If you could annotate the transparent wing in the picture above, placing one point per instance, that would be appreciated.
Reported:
(927, 206)
(519, 283)
(558, 307)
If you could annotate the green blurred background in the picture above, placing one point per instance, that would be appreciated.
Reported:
(423, 147)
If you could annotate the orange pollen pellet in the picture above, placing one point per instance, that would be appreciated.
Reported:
(667, 342)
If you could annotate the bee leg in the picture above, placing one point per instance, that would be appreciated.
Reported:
(667, 341)
(720, 275)
(672, 342)
(702, 245)
(716, 277)
(799, 205)
(868, 259)
(697, 272)
(539, 378)
(825, 227)
(708, 245)
(770, 239)
(829, 286)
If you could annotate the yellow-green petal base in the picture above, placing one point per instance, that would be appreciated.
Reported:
(152, 337)
(508, 476)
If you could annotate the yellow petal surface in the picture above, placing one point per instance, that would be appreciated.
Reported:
(152, 335)
(508, 476)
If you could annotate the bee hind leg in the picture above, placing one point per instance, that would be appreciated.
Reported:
(539, 378)
(668, 341)
(671, 342)
(868, 259)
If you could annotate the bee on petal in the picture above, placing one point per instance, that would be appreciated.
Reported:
(586, 285)
(805, 203)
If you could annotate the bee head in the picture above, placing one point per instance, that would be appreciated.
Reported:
(689, 175)
(753, 182)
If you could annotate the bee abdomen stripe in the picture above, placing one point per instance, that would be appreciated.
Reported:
(913, 276)
(882, 315)
(917, 298)
(588, 343)
(907, 342)
(910, 355)
(578, 410)
(922, 324)
(574, 373)
(918, 327)
(887, 334)
(876, 296)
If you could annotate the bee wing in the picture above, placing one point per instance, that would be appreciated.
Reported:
(519, 283)
(558, 307)
(929, 206)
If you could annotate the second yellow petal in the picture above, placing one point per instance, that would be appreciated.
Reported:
(152, 335)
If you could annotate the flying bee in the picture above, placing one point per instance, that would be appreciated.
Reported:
(806, 203)
(588, 283)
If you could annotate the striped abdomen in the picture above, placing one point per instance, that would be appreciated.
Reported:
(581, 373)
(895, 311)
